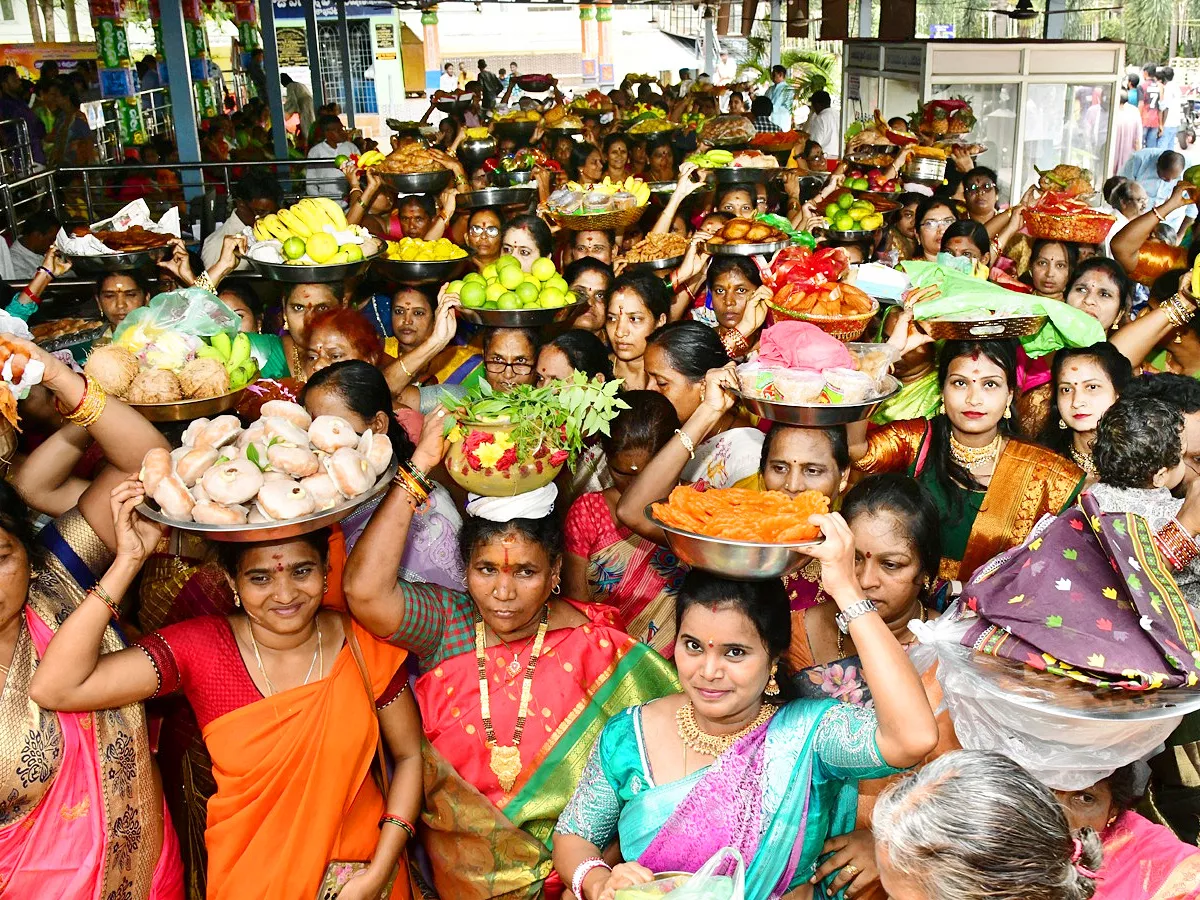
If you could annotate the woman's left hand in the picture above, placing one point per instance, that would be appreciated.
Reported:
(179, 263)
(136, 536)
(836, 555)
(56, 262)
(365, 885)
(755, 312)
(853, 858)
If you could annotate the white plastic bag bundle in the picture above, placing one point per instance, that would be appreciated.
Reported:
(1067, 735)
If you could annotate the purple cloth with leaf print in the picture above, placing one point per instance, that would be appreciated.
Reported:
(1087, 596)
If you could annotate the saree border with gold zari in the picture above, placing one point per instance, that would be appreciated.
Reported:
(1027, 483)
(482, 850)
(69, 560)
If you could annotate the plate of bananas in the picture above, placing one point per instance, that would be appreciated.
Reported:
(310, 241)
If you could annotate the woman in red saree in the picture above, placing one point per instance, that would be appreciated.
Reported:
(516, 682)
(281, 696)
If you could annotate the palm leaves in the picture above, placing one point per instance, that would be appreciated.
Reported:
(809, 69)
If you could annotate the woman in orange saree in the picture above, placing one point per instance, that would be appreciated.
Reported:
(516, 682)
(281, 695)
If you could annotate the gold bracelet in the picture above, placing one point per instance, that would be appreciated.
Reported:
(204, 282)
(403, 367)
(406, 482)
(90, 407)
(688, 444)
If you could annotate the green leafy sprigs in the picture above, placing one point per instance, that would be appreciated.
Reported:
(561, 416)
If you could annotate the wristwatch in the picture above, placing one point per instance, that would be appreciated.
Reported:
(848, 615)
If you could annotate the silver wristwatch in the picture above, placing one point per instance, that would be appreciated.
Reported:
(848, 615)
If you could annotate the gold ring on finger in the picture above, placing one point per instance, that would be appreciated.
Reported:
(851, 869)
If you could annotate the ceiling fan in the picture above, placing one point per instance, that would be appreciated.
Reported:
(1024, 11)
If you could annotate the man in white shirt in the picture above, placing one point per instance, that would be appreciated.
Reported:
(1159, 175)
(1170, 108)
(449, 81)
(823, 124)
(28, 251)
(726, 68)
(298, 99)
(329, 181)
(256, 195)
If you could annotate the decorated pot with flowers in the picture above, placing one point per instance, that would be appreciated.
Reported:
(504, 444)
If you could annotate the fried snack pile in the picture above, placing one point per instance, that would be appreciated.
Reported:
(128, 241)
(747, 231)
(657, 246)
(738, 514)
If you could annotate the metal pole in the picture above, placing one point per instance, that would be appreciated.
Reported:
(1055, 15)
(314, 54)
(179, 78)
(344, 48)
(864, 18)
(274, 89)
(710, 42)
(776, 32)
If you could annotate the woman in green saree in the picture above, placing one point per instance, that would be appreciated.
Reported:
(729, 761)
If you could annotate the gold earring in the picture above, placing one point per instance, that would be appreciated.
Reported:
(1008, 412)
(927, 585)
(941, 410)
(1062, 425)
(772, 685)
(237, 598)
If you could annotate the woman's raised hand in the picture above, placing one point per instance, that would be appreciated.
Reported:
(756, 310)
(836, 555)
(445, 321)
(716, 391)
(179, 263)
(56, 262)
(136, 536)
(431, 445)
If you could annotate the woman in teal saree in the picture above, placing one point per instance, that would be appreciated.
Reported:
(729, 761)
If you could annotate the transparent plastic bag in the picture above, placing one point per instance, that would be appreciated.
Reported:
(1067, 735)
(723, 877)
(166, 333)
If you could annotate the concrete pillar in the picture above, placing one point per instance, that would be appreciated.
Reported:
(588, 70)
(314, 54)
(776, 32)
(604, 43)
(432, 50)
(179, 74)
(274, 88)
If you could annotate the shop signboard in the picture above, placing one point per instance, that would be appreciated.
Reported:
(129, 122)
(118, 82)
(293, 49)
(112, 43)
(941, 32)
(327, 9)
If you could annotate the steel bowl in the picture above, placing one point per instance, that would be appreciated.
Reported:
(520, 131)
(418, 182)
(655, 265)
(858, 235)
(535, 84)
(118, 262)
(743, 175)
(765, 249)
(473, 152)
(454, 107)
(742, 560)
(276, 531)
(661, 187)
(817, 415)
(521, 318)
(565, 130)
(186, 410)
(511, 179)
(424, 271)
(497, 196)
(310, 274)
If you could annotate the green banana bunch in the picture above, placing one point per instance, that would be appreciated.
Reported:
(234, 354)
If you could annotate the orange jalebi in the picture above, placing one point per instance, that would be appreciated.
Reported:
(737, 514)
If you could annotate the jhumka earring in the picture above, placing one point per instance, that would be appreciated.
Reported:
(772, 689)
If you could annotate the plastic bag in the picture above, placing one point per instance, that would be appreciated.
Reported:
(166, 333)
(723, 877)
(1066, 735)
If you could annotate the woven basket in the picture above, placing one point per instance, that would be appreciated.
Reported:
(844, 328)
(1082, 228)
(8, 446)
(996, 328)
(617, 220)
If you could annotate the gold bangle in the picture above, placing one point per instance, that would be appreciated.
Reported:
(403, 367)
(204, 282)
(104, 598)
(405, 481)
(90, 408)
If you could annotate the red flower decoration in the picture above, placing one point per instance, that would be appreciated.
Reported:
(558, 457)
(506, 459)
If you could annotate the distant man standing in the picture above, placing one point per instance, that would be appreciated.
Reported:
(298, 100)
(489, 85)
(328, 181)
(726, 68)
(780, 95)
(257, 74)
(1170, 108)
(448, 81)
(15, 105)
(1149, 94)
(822, 123)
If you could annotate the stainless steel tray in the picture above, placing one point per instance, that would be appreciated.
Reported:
(276, 531)
(733, 559)
(118, 262)
(310, 274)
(186, 410)
(817, 415)
(765, 249)
(423, 271)
(520, 318)
(418, 182)
(497, 196)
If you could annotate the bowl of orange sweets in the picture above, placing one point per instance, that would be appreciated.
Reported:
(739, 533)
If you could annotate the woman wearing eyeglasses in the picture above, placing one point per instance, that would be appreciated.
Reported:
(981, 193)
(934, 216)
(483, 237)
(510, 357)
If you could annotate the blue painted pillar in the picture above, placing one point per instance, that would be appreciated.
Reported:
(314, 54)
(266, 13)
(183, 107)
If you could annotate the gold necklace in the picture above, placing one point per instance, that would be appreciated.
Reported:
(296, 367)
(841, 638)
(970, 457)
(505, 762)
(318, 654)
(1084, 461)
(699, 740)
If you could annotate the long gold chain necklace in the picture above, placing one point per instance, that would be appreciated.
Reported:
(318, 660)
(505, 762)
(297, 369)
(971, 457)
(697, 739)
(841, 638)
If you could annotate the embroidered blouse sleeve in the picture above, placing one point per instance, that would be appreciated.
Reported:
(594, 809)
(426, 612)
(845, 744)
(893, 448)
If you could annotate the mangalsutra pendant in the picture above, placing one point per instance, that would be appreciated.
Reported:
(505, 762)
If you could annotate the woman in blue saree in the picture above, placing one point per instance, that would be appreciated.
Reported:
(732, 761)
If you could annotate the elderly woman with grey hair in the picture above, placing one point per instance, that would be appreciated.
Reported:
(973, 825)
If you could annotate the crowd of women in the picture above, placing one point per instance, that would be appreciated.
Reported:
(534, 696)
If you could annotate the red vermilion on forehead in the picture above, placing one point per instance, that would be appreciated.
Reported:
(975, 355)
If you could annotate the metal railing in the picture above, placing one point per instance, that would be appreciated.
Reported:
(16, 150)
(102, 117)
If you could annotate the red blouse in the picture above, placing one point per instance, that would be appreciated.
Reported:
(201, 658)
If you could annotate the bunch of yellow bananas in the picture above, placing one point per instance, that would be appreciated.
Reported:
(630, 185)
(302, 220)
(370, 158)
(234, 355)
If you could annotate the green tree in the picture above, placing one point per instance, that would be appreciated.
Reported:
(809, 69)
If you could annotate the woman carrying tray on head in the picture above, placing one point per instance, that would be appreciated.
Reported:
(292, 699)
(516, 681)
(989, 487)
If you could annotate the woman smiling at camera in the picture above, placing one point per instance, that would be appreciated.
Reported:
(733, 760)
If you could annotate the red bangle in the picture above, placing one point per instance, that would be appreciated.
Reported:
(87, 386)
(35, 299)
(388, 818)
